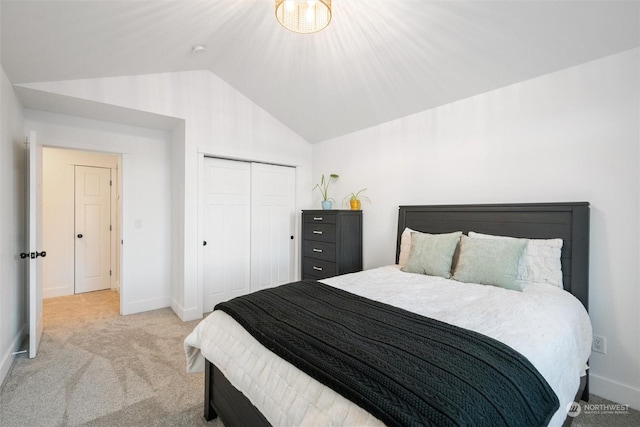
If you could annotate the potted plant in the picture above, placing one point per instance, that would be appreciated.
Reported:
(323, 186)
(355, 198)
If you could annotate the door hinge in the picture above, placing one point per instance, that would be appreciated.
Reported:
(109, 272)
(110, 183)
(110, 227)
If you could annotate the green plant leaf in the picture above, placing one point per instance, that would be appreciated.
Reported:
(323, 186)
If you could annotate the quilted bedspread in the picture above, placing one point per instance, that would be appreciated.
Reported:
(404, 368)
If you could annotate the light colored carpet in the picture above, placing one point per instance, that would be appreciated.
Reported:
(97, 368)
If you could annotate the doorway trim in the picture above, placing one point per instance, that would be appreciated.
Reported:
(59, 165)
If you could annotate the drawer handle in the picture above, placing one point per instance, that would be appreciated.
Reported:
(317, 218)
(317, 250)
(317, 232)
(317, 268)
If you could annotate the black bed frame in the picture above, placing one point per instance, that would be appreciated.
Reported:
(568, 221)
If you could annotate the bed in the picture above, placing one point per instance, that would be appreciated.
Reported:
(258, 395)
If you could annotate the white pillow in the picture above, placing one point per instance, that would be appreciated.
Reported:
(405, 246)
(540, 260)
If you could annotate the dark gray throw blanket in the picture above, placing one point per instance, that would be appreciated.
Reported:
(403, 368)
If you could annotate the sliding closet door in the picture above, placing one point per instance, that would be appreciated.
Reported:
(226, 198)
(272, 224)
(248, 223)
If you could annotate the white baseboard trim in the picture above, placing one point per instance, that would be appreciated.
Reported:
(185, 314)
(9, 357)
(614, 391)
(56, 292)
(146, 305)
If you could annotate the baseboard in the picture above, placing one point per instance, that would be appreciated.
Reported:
(185, 314)
(8, 357)
(145, 305)
(614, 391)
(57, 292)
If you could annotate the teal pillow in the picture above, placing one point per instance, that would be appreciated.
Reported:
(489, 262)
(431, 254)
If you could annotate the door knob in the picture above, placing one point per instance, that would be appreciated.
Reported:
(33, 255)
(204, 243)
(79, 236)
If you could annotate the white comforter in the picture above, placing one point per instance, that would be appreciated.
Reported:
(544, 323)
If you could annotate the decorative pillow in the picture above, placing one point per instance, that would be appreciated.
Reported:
(489, 262)
(405, 246)
(431, 254)
(540, 261)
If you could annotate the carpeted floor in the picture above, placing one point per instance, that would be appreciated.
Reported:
(97, 368)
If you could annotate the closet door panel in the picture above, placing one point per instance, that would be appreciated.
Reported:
(272, 223)
(226, 230)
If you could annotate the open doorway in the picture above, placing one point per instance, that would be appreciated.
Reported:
(81, 225)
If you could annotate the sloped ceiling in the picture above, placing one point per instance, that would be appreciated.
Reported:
(378, 59)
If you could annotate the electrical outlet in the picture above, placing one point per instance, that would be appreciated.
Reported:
(599, 344)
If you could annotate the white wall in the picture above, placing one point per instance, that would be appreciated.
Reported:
(58, 213)
(218, 121)
(13, 289)
(568, 136)
(146, 196)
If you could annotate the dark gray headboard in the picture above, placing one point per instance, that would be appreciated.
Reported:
(568, 221)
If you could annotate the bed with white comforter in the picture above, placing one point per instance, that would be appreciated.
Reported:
(546, 324)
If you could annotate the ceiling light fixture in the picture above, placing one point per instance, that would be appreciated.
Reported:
(303, 16)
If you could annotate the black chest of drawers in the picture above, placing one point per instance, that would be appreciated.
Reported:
(331, 243)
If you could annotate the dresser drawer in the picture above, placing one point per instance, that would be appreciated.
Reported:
(310, 277)
(320, 218)
(319, 250)
(320, 232)
(318, 268)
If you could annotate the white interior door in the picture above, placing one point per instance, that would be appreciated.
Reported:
(226, 209)
(34, 232)
(272, 224)
(92, 229)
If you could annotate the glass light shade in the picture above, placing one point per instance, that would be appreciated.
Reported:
(303, 16)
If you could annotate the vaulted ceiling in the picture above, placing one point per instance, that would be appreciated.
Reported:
(378, 59)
